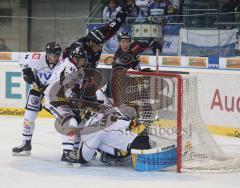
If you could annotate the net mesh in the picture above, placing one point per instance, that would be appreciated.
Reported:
(158, 100)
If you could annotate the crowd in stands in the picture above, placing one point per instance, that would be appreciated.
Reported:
(155, 11)
(146, 11)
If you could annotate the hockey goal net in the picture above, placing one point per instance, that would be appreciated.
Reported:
(168, 106)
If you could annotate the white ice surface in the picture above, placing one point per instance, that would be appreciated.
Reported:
(41, 169)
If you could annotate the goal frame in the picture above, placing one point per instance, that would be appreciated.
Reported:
(179, 107)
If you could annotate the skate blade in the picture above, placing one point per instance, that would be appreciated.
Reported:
(22, 154)
(67, 164)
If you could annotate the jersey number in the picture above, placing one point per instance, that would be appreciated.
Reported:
(112, 24)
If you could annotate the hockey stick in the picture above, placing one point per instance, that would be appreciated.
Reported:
(157, 54)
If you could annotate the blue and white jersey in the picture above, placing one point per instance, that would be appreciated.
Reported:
(37, 62)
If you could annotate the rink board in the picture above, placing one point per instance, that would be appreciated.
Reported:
(218, 95)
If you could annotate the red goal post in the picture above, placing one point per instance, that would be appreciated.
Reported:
(169, 101)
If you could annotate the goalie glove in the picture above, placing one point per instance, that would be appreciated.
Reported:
(136, 127)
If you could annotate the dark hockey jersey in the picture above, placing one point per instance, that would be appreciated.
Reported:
(131, 58)
(108, 31)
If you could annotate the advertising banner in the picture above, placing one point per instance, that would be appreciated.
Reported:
(219, 99)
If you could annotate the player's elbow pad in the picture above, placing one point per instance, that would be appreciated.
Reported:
(28, 75)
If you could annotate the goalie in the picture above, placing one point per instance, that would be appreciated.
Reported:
(116, 132)
(113, 130)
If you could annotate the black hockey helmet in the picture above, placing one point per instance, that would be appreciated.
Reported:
(77, 51)
(96, 36)
(124, 35)
(53, 48)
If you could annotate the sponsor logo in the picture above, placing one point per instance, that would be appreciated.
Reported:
(225, 103)
(233, 63)
(5, 56)
(34, 100)
(171, 61)
(12, 112)
(36, 56)
(106, 59)
(168, 147)
(144, 59)
(146, 30)
(213, 65)
(197, 61)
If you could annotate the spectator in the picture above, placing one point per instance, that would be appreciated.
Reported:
(159, 10)
(132, 18)
(110, 11)
(142, 10)
(3, 46)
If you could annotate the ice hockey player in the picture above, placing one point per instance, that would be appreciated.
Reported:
(93, 44)
(64, 87)
(115, 134)
(119, 134)
(37, 70)
(94, 40)
(128, 54)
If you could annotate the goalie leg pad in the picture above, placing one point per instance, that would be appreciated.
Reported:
(155, 159)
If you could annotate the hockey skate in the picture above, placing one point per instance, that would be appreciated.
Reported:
(23, 150)
(70, 158)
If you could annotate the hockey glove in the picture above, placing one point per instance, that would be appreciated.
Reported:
(28, 76)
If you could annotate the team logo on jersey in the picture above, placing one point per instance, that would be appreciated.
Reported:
(45, 75)
(125, 59)
(34, 100)
(36, 56)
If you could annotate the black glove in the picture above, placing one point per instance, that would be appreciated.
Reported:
(29, 76)
(122, 16)
(155, 45)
